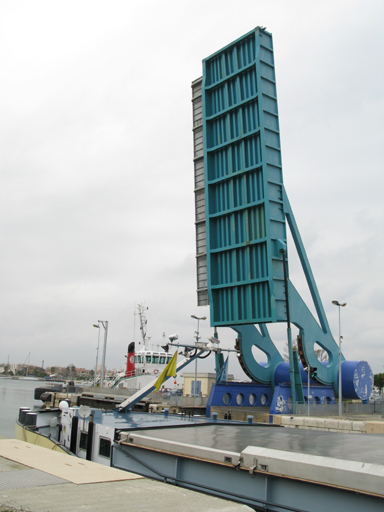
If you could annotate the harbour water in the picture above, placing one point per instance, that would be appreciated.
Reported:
(14, 394)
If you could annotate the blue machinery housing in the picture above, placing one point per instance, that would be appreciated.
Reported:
(242, 212)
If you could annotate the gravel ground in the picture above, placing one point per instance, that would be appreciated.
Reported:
(4, 508)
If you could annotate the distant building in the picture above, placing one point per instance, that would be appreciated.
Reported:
(82, 372)
(204, 383)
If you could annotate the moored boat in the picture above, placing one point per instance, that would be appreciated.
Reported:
(143, 364)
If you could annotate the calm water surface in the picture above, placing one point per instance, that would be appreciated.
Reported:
(15, 394)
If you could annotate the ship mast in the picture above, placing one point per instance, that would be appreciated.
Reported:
(143, 323)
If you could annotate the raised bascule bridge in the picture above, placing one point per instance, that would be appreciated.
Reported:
(242, 213)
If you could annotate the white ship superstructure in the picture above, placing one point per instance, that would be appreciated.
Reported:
(145, 364)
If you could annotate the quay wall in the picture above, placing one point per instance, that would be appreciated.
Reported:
(330, 424)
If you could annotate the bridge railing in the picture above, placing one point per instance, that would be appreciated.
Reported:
(349, 408)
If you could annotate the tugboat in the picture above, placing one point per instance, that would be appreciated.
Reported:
(142, 365)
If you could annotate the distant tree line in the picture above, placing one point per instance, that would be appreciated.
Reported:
(70, 372)
(378, 381)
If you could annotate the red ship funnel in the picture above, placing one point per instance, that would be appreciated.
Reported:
(130, 371)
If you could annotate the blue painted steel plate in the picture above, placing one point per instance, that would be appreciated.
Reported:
(243, 183)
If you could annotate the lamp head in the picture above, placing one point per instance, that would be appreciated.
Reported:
(337, 303)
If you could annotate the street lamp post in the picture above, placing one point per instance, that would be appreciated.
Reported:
(342, 305)
(382, 402)
(104, 323)
(97, 351)
(197, 337)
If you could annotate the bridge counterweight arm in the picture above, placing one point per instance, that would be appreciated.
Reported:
(305, 263)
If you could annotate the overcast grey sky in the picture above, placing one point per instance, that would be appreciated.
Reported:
(96, 206)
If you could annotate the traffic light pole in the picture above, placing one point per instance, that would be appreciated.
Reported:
(311, 372)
